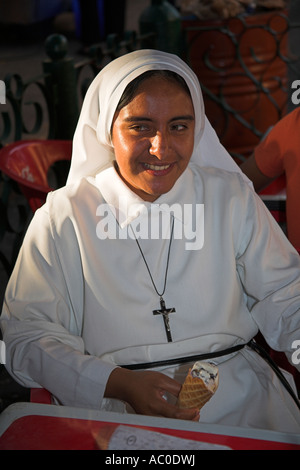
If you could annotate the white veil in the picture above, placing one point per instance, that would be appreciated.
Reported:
(92, 147)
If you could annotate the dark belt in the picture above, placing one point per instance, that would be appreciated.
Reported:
(201, 357)
(183, 360)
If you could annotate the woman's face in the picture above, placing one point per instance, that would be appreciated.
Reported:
(153, 137)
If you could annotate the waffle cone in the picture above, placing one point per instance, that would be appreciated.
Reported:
(193, 393)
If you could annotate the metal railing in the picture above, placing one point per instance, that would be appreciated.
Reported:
(47, 106)
(244, 67)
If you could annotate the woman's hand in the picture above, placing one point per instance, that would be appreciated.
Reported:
(144, 391)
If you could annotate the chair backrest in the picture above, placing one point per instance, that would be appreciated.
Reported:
(28, 163)
(275, 187)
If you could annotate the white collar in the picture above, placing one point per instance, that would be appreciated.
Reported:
(128, 206)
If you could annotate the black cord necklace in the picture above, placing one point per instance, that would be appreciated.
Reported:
(163, 310)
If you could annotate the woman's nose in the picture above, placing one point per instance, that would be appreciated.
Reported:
(159, 145)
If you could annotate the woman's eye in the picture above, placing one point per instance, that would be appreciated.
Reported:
(179, 127)
(140, 128)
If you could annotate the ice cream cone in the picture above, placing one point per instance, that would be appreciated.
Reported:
(199, 386)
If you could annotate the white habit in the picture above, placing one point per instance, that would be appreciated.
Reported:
(87, 303)
(80, 300)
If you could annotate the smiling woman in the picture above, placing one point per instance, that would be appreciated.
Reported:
(153, 135)
(111, 320)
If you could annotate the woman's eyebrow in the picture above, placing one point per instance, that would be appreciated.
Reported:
(187, 117)
(136, 119)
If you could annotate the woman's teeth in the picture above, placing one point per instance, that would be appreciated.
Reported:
(156, 167)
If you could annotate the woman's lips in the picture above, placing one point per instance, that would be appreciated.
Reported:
(158, 170)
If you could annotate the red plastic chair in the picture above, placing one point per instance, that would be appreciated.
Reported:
(276, 207)
(40, 395)
(28, 162)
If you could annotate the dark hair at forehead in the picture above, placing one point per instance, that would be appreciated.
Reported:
(132, 88)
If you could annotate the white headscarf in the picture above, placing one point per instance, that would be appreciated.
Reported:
(92, 147)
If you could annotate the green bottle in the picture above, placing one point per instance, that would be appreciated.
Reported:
(164, 20)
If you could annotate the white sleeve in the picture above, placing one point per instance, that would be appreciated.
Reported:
(42, 320)
(269, 269)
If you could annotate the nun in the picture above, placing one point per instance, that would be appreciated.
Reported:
(155, 254)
